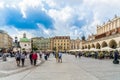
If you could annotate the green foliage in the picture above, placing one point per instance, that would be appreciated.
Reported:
(35, 49)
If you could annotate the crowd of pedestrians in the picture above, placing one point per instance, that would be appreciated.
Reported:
(20, 58)
(33, 56)
(78, 54)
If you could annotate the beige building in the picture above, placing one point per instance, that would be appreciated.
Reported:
(60, 43)
(75, 44)
(108, 35)
(5, 40)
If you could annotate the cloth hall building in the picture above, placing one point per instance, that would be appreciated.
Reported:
(108, 35)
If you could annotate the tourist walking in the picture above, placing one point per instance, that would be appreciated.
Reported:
(30, 57)
(75, 55)
(40, 54)
(17, 56)
(96, 55)
(111, 55)
(34, 58)
(57, 56)
(25, 54)
(23, 58)
(79, 54)
(116, 61)
(45, 56)
(4, 56)
(60, 57)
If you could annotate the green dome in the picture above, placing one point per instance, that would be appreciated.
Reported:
(24, 40)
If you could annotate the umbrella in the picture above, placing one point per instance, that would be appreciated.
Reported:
(118, 48)
(85, 49)
(94, 49)
(107, 49)
(75, 50)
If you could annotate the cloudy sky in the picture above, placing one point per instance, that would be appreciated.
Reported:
(55, 17)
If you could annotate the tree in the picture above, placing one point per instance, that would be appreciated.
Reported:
(34, 48)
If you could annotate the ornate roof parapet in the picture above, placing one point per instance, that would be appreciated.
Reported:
(116, 16)
(98, 26)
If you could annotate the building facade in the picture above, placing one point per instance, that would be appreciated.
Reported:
(108, 35)
(75, 44)
(25, 43)
(5, 40)
(60, 43)
(41, 43)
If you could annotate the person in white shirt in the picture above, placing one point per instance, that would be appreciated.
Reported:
(23, 58)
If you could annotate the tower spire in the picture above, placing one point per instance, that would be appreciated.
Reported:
(24, 35)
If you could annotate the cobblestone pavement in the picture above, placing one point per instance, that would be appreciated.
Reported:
(9, 67)
(71, 69)
(102, 69)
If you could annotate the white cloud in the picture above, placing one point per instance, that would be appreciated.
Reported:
(23, 5)
(1, 4)
(51, 3)
(45, 32)
(63, 13)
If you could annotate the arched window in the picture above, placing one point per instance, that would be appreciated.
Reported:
(104, 44)
(113, 44)
(98, 46)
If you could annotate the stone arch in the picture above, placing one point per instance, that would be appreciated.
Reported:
(88, 46)
(98, 46)
(85, 46)
(104, 44)
(113, 44)
(92, 46)
(82, 47)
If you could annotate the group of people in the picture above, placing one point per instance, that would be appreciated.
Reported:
(79, 54)
(33, 56)
(20, 58)
(115, 55)
(58, 57)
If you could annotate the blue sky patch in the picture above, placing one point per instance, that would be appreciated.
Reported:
(34, 16)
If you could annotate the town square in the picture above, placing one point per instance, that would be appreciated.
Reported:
(59, 40)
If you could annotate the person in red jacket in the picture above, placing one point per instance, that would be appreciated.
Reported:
(34, 57)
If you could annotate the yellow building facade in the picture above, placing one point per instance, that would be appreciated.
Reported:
(60, 43)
